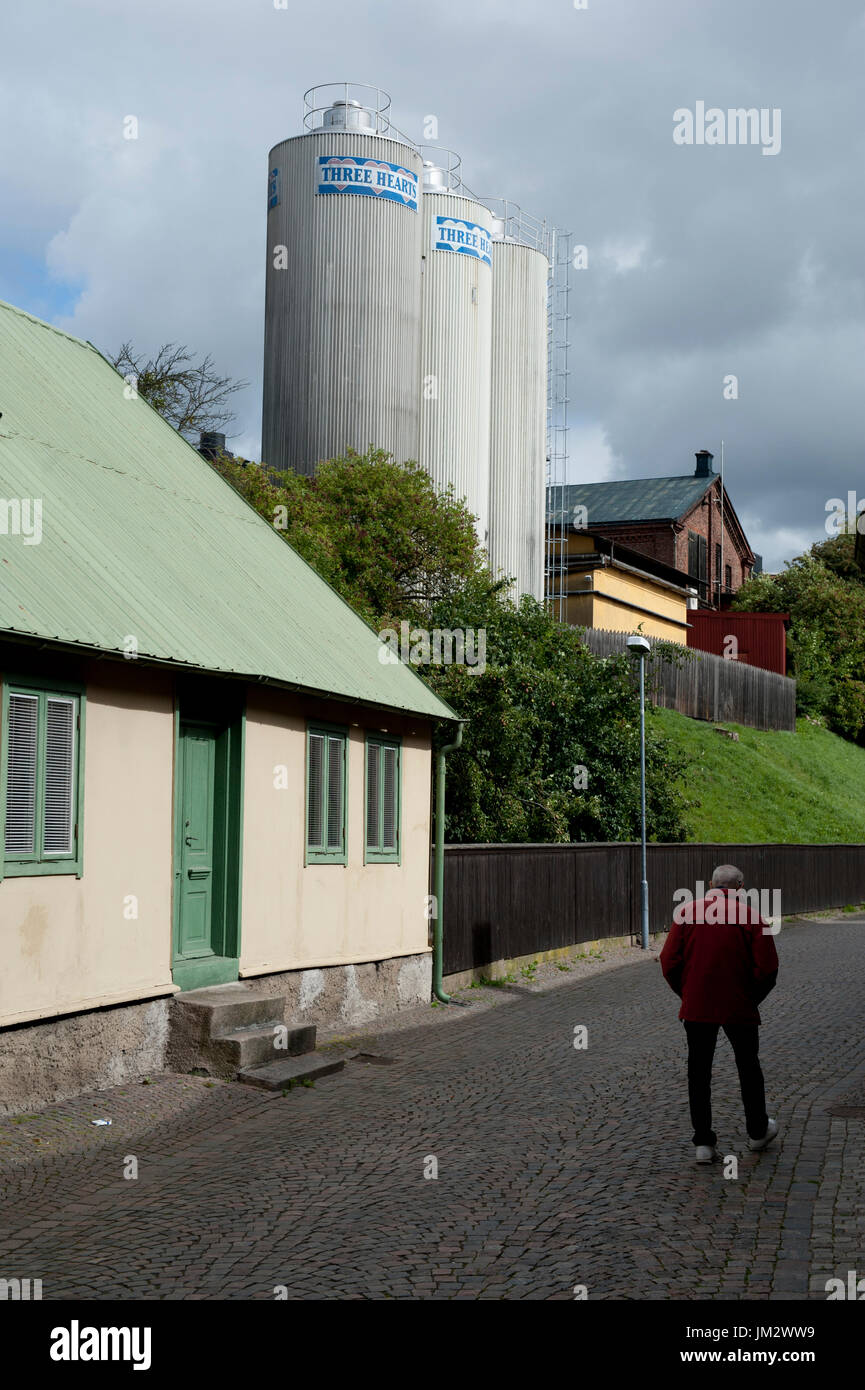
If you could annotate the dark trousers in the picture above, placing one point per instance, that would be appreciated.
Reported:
(745, 1040)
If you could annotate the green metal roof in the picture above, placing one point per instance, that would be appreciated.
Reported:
(632, 499)
(141, 537)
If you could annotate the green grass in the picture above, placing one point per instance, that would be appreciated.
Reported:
(783, 788)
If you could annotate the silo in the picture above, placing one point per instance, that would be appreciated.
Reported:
(342, 294)
(456, 324)
(518, 415)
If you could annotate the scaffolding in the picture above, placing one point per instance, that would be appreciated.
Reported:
(558, 341)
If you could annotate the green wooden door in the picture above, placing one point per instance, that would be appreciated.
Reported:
(196, 842)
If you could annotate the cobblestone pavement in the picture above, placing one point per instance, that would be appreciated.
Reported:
(556, 1166)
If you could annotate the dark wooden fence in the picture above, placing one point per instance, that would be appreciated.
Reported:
(502, 901)
(704, 686)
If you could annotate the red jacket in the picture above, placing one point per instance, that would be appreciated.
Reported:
(719, 960)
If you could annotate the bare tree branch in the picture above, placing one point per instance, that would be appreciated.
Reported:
(190, 396)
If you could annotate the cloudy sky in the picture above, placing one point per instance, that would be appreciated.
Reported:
(704, 261)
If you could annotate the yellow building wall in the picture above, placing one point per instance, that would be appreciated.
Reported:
(667, 613)
(297, 916)
(65, 943)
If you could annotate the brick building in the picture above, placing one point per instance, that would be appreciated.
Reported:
(686, 522)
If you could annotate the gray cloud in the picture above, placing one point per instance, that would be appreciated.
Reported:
(703, 261)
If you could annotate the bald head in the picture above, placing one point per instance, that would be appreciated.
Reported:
(727, 876)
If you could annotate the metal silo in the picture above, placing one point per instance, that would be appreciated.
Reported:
(456, 324)
(518, 412)
(342, 296)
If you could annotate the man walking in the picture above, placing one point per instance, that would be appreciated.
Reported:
(718, 958)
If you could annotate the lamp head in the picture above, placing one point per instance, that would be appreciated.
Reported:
(638, 646)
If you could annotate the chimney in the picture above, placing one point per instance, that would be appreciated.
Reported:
(211, 445)
(704, 464)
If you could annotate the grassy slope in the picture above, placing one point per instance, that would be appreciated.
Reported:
(807, 787)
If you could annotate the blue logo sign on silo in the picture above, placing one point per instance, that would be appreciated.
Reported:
(272, 189)
(455, 234)
(374, 178)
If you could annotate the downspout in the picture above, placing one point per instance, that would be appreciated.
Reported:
(439, 871)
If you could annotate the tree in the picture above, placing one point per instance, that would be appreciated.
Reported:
(542, 707)
(377, 530)
(190, 397)
(837, 554)
(826, 639)
(551, 751)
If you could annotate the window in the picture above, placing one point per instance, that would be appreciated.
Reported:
(728, 577)
(698, 558)
(326, 751)
(40, 777)
(383, 800)
(718, 568)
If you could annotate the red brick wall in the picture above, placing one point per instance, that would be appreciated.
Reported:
(655, 538)
(664, 542)
(705, 519)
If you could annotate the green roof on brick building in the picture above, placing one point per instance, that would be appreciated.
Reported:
(631, 500)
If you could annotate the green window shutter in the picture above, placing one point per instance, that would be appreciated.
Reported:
(41, 777)
(59, 779)
(372, 796)
(22, 742)
(390, 758)
(326, 795)
(383, 757)
(315, 793)
(335, 817)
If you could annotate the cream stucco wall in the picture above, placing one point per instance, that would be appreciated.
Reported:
(65, 943)
(296, 917)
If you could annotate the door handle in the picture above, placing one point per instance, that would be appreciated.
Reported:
(190, 838)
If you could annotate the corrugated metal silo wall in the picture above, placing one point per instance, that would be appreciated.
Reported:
(518, 415)
(456, 322)
(342, 319)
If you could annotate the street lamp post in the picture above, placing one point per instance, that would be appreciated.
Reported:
(638, 647)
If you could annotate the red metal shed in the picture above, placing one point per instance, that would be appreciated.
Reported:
(759, 639)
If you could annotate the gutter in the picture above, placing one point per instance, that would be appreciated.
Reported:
(439, 871)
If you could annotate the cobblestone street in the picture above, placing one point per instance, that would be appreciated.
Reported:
(556, 1167)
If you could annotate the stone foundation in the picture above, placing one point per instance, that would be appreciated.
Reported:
(348, 994)
(54, 1059)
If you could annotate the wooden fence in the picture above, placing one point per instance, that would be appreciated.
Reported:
(704, 686)
(503, 901)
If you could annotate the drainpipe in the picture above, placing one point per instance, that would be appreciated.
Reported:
(439, 871)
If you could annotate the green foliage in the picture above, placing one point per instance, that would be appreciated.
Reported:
(837, 555)
(770, 787)
(543, 707)
(396, 550)
(375, 529)
(826, 641)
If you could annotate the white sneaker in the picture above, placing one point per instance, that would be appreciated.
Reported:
(705, 1153)
(771, 1132)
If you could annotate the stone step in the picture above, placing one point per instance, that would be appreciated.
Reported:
(218, 1029)
(225, 1008)
(277, 1076)
(253, 1047)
